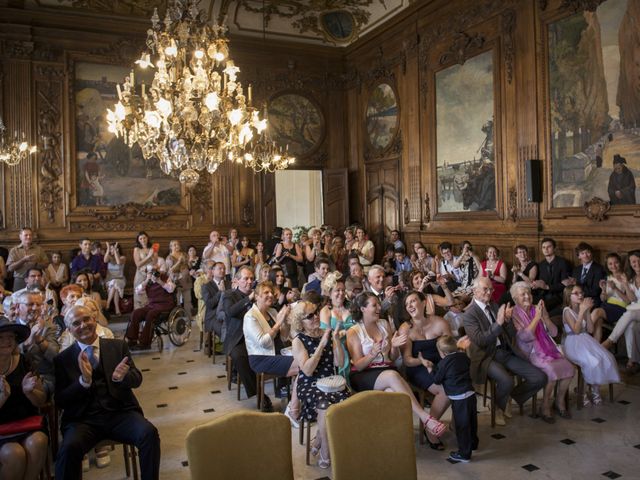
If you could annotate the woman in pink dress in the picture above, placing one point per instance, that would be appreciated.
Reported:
(535, 330)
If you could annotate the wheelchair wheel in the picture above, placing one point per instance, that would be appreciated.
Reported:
(179, 327)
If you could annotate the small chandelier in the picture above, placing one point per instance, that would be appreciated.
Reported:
(194, 115)
(266, 156)
(13, 151)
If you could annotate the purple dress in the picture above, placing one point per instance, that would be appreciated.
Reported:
(539, 347)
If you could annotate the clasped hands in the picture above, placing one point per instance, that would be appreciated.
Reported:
(86, 369)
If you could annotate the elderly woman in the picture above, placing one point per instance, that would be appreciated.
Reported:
(336, 315)
(318, 353)
(373, 349)
(422, 331)
(21, 393)
(535, 330)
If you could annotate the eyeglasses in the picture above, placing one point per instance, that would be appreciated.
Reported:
(310, 315)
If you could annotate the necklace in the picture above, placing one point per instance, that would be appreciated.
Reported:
(8, 368)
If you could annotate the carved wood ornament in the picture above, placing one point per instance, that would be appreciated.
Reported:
(129, 212)
(596, 209)
(427, 209)
(513, 204)
(407, 216)
(508, 27)
(462, 47)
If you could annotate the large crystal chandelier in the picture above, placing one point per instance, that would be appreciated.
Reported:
(195, 114)
(13, 150)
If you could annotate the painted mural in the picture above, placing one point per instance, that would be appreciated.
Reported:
(295, 121)
(108, 172)
(382, 116)
(466, 179)
(594, 94)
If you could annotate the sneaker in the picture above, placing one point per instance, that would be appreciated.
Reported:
(289, 415)
(267, 406)
(85, 464)
(457, 457)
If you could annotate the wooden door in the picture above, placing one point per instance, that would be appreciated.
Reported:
(383, 202)
(335, 193)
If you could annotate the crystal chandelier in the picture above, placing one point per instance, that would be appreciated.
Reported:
(194, 115)
(266, 156)
(13, 151)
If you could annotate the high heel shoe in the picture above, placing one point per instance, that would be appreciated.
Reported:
(562, 413)
(439, 446)
(324, 462)
(596, 399)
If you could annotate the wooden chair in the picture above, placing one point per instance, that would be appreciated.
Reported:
(229, 366)
(358, 418)
(422, 395)
(492, 395)
(129, 454)
(580, 392)
(304, 423)
(242, 445)
(262, 379)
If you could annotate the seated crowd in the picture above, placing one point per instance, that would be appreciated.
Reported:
(307, 311)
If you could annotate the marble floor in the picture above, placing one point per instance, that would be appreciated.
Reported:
(182, 388)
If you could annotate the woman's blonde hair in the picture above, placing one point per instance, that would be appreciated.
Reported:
(330, 282)
(297, 313)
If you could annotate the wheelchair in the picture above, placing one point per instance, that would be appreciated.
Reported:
(174, 324)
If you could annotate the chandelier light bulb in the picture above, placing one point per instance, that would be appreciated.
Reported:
(235, 116)
(199, 54)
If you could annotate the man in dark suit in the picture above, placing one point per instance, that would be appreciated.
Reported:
(493, 352)
(553, 277)
(588, 274)
(94, 382)
(234, 304)
(211, 292)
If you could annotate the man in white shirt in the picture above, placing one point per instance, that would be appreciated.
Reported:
(218, 252)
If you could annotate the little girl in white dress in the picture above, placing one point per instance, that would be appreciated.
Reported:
(598, 365)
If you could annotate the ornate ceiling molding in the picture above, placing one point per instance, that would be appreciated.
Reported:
(138, 8)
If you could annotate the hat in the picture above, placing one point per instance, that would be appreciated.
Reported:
(22, 332)
(618, 159)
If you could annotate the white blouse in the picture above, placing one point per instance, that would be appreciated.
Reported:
(256, 332)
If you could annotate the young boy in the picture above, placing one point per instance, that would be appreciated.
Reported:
(453, 374)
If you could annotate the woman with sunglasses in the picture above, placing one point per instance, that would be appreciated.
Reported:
(318, 352)
(373, 349)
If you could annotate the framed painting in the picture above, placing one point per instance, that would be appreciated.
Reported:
(296, 121)
(594, 104)
(465, 153)
(382, 117)
(106, 171)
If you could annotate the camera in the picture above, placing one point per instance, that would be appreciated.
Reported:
(155, 273)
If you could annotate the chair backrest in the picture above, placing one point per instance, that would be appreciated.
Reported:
(242, 445)
(371, 436)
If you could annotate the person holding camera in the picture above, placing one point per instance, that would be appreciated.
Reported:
(159, 290)
(288, 254)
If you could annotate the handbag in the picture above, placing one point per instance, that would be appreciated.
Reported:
(24, 425)
(126, 305)
(331, 384)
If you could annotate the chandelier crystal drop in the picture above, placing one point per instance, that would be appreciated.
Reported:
(195, 114)
(14, 150)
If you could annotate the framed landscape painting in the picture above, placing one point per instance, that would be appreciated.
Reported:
(108, 172)
(465, 165)
(594, 95)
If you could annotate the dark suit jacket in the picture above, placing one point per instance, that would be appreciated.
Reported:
(483, 336)
(235, 304)
(591, 284)
(553, 273)
(211, 297)
(73, 398)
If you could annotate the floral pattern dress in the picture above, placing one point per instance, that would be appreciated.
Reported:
(308, 393)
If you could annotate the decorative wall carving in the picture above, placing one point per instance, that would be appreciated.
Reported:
(123, 51)
(463, 46)
(129, 212)
(247, 214)
(49, 107)
(427, 208)
(508, 27)
(128, 226)
(407, 216)
(201, 196)
(596, 209)
(18, 48)
(580, 5)
(513, 204)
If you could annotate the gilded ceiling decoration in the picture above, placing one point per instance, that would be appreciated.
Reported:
(118, 7)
